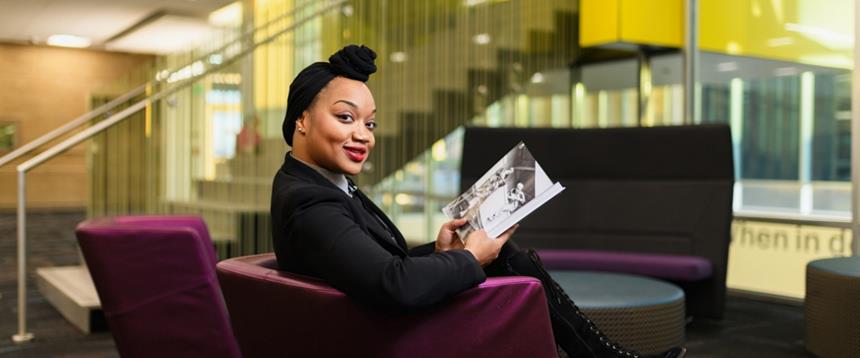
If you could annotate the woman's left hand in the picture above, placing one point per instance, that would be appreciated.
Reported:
(448, 238)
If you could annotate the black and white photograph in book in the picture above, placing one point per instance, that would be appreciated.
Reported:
(508, 186)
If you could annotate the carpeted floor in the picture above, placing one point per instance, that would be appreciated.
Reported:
(750, 328)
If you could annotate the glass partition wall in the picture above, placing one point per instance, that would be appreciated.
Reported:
(784, 87)
(779, 73)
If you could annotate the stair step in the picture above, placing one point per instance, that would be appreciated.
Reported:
(71, 291)
(248, 191)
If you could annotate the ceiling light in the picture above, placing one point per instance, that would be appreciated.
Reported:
(780, 41)
(69, 41)
(216, 58)
(756, 9)
(398, 56)
(825, 36)
(439, 150)
(727, 66)
(227, 16)
(733, 48)
(404, 199)
(481, 39)
(785, 71)
(347, 10)
(162, 75)
(537, 77)
(193, 70)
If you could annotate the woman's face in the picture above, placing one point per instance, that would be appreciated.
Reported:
(336, 131)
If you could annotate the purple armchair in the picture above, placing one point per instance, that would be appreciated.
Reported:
(155, 277)
(279, 314)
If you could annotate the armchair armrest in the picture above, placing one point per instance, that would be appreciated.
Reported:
(277, 313)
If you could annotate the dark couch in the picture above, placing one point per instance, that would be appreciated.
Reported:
(634, 197)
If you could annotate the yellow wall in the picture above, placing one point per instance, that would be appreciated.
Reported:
(598, 22)
(651, 22)
(803, 31)
(43, 88)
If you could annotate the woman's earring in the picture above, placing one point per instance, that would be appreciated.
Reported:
(301, 130)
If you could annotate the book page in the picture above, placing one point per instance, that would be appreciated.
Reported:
(508, 186)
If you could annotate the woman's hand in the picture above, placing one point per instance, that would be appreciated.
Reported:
(448, 238)
(486, 249)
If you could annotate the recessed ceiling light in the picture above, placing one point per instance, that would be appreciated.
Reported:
(64, 40)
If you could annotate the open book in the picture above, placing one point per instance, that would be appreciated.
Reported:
(513, 188)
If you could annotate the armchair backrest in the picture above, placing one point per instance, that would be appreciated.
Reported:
(281, 314)
(155, 277)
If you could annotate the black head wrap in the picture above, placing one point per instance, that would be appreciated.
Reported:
(353, 62)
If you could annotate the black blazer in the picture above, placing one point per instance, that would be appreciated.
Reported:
(321, 231)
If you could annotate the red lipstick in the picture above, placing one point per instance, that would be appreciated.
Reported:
(355, 153)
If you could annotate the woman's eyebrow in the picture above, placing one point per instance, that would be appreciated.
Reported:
(353, 105)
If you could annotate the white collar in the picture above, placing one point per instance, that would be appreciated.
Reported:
(338, 179)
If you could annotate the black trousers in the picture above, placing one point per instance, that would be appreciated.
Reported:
(498, 268)
(495, 269)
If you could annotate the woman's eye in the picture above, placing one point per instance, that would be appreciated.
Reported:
(371, 125)
(345, 117)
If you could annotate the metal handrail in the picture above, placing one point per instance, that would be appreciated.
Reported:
(75, 123)
(23, 168)
(86, 117)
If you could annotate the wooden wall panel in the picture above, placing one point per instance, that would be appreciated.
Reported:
(44, 87)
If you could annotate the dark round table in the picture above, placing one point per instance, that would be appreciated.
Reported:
(637, 312)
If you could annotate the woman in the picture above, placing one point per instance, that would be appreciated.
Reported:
(323, 226)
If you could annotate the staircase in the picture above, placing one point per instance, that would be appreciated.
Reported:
(425, 116)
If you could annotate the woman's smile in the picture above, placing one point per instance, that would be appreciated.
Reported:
(356, 153)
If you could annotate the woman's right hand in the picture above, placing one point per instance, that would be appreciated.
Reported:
(484, 248)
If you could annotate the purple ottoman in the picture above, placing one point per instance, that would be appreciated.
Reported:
(670, 267)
